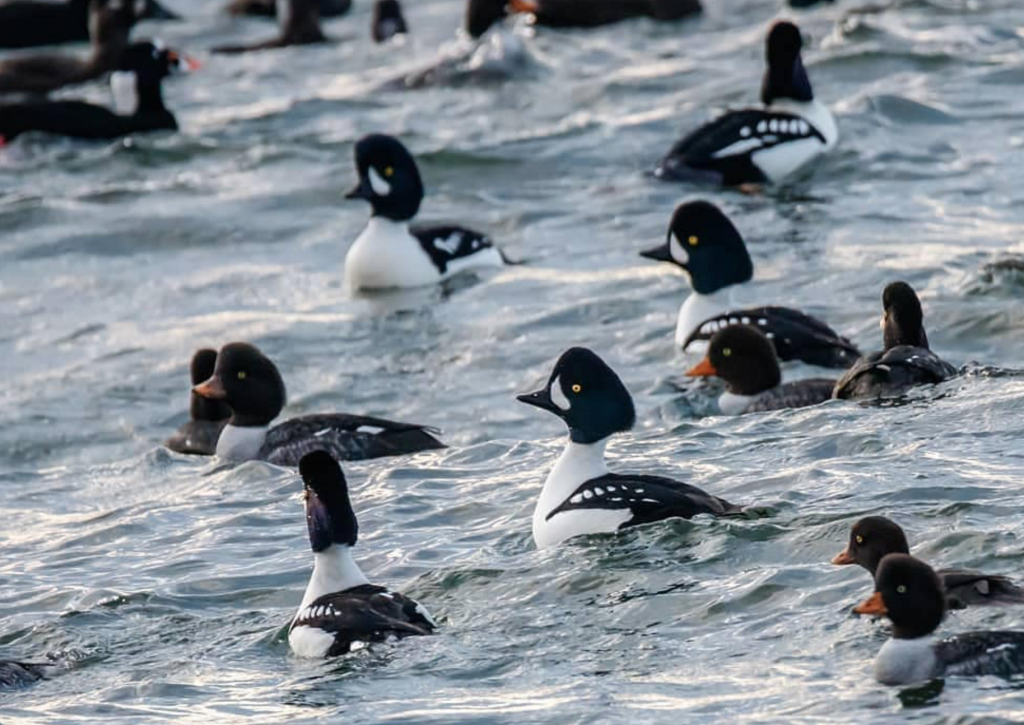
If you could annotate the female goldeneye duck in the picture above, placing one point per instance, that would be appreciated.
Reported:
(910, 594)
(906, 360)
(207, 417)
(252, 387)
(745, 359)
(137, 94)
(708, 248)
(874, 537)
(389, 254)
(298, 23)
(110, 25)
(388, 21)
(580, 496)
(592, 13)
(765, 144)
(28, 23)
(341, 611)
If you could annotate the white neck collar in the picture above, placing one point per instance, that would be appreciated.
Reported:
(334, 570)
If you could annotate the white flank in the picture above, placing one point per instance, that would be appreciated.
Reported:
(905, 661)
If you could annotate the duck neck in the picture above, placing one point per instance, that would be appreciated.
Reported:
(334, 570)
(698, 308)
(579, 462)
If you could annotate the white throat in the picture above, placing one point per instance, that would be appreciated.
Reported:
(334, 570)
(698, 308)
(905, 661)
(124, 86)
(237, 443)
(579, 462)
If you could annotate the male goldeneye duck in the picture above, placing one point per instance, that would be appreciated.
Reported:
(704, 243)
(110, 24)
(298, 23)
(388, 21)
(138, 100)
(389, 254)
(592, 13)
(906, 360)
(874, 537)
(18, 674)
(580, 496)
(341, 611)
(252, 387)
(764, 144)
(910, 594)
(745, 359)
(207, 417)
(27, 23)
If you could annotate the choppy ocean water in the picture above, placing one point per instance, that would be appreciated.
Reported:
(168, 581)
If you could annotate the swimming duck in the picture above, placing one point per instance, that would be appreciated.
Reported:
(137, 92)
(18, 674)
(110, 24)
(298, 23)
(592, 13)
(703, 243)
(207, 417)
(268, 8)
(873, 537)
(390, 254)
(745, 359)
(910, 594)
(906, 360)
(28, 23)
(388, 20)
(252, 387)
(757, 145)
(341, 611)
(580, 495)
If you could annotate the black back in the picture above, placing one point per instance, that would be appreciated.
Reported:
(446, 244)
(346, 437)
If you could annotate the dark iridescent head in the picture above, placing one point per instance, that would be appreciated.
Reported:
(248, 382)
(903, 319)
(910, 594)
(388, 20)
(329, 515)
(388, 177)
(785, 77)
(744, 358)
(588, 395)
(482, 14)
(203, 362)
(703, 242)
(871, 539)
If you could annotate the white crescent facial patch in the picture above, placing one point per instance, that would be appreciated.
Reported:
(380, 187)
(557, 396)
(677, 250)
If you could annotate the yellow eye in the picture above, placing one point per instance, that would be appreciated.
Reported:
(726, 351)
(693, 240)
(860, 539)
(389, 172)
(902, 589)
(241, 374)
(577, 388)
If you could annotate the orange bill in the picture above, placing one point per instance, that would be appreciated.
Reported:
(190, 63)
(703, 369)
(212, 388)
(844, 557)
(872, 605)
(524, 6)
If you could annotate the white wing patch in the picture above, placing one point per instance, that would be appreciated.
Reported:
(449, 245)
(370, 429)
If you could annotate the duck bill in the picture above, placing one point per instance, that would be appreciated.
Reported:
(523, 6)
(660, 253)
(212, 389)
(843, 558)
(703, 369)
(540, 399)
(184, 63)
(872, 605)
(318, 522)
(362, 190)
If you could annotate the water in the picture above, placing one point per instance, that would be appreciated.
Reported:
(167, 582)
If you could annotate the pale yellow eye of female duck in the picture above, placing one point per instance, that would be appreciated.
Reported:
(241, 375)
(860, 539)
(902, 589)
(726, 351)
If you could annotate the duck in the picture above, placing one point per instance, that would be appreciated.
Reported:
(251, 385)
(873, 537)
(207, 417)
(910, 594)
(30, 23)
(704, 243)
(906, 360)
(593, 13)
(341, 611)
(138, 98)
(745, 359)
(390, 254)
(388, 21)
(110, 23)
(758, 145)
(581, 496)
(268, 8)
(18, 674)
(298, 23)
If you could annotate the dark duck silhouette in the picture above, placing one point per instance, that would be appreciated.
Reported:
(298, 23)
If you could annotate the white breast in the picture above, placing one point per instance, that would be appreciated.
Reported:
(905, 661)
(733, 403)
(310, 642)
(787, 158)
(238, 443)
(387, 256)
(696, 309)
